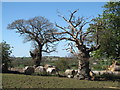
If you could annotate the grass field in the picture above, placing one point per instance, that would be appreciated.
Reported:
(27, 81)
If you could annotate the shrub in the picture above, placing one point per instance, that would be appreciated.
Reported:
(62, 65)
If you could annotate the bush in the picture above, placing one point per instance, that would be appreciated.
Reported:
(22, 62)
(101, 64)
(62, 65)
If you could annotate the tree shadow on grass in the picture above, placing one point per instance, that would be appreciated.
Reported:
(13, 72)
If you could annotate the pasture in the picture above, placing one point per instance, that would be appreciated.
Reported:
(29, 81)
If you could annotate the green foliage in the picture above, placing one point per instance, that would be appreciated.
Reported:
(27, 81)
(72, 63)
(101, 64)
(108, 26)
(5, 51)
(22, 62)
(62, 64)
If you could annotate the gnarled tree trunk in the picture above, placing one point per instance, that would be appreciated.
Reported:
(37, 56)
(83, 70)
(83, 66)
(78, 38)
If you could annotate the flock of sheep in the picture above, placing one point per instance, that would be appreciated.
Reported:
(113, 70)
(40, 69)
(70, 73)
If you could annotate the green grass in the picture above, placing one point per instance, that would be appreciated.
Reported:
(27, 81)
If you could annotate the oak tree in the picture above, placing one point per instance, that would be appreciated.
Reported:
(78, 41)
(36, 30)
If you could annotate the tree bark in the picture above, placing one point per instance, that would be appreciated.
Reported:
(4, 68)
(38, 57)
(83, 66)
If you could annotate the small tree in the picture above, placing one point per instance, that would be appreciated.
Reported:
(36, 30)
(5, 51)
(78, 42)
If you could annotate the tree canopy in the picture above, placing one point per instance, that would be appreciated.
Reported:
(39, 30)
(109, 31)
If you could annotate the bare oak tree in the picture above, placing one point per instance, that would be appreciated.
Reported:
(80, 43)
(36, 29)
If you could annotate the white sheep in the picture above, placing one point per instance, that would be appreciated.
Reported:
(40, 69)
(51, 70)
(70, 73)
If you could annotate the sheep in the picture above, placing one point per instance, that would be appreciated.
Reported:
(40, 69)
(51, 70)
(48, 66)
(70, 73)
(29, 70)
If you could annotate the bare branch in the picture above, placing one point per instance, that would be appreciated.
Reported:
(71, 16)
(59, 33)
(75, 30)
(79, 21)
(70, 22)
(65, 31)
(64, 38)
(48, 51)
(93, 48)
(86, 34)
(71, 50)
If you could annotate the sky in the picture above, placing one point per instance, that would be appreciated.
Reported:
(57, 0)
(25, 10)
